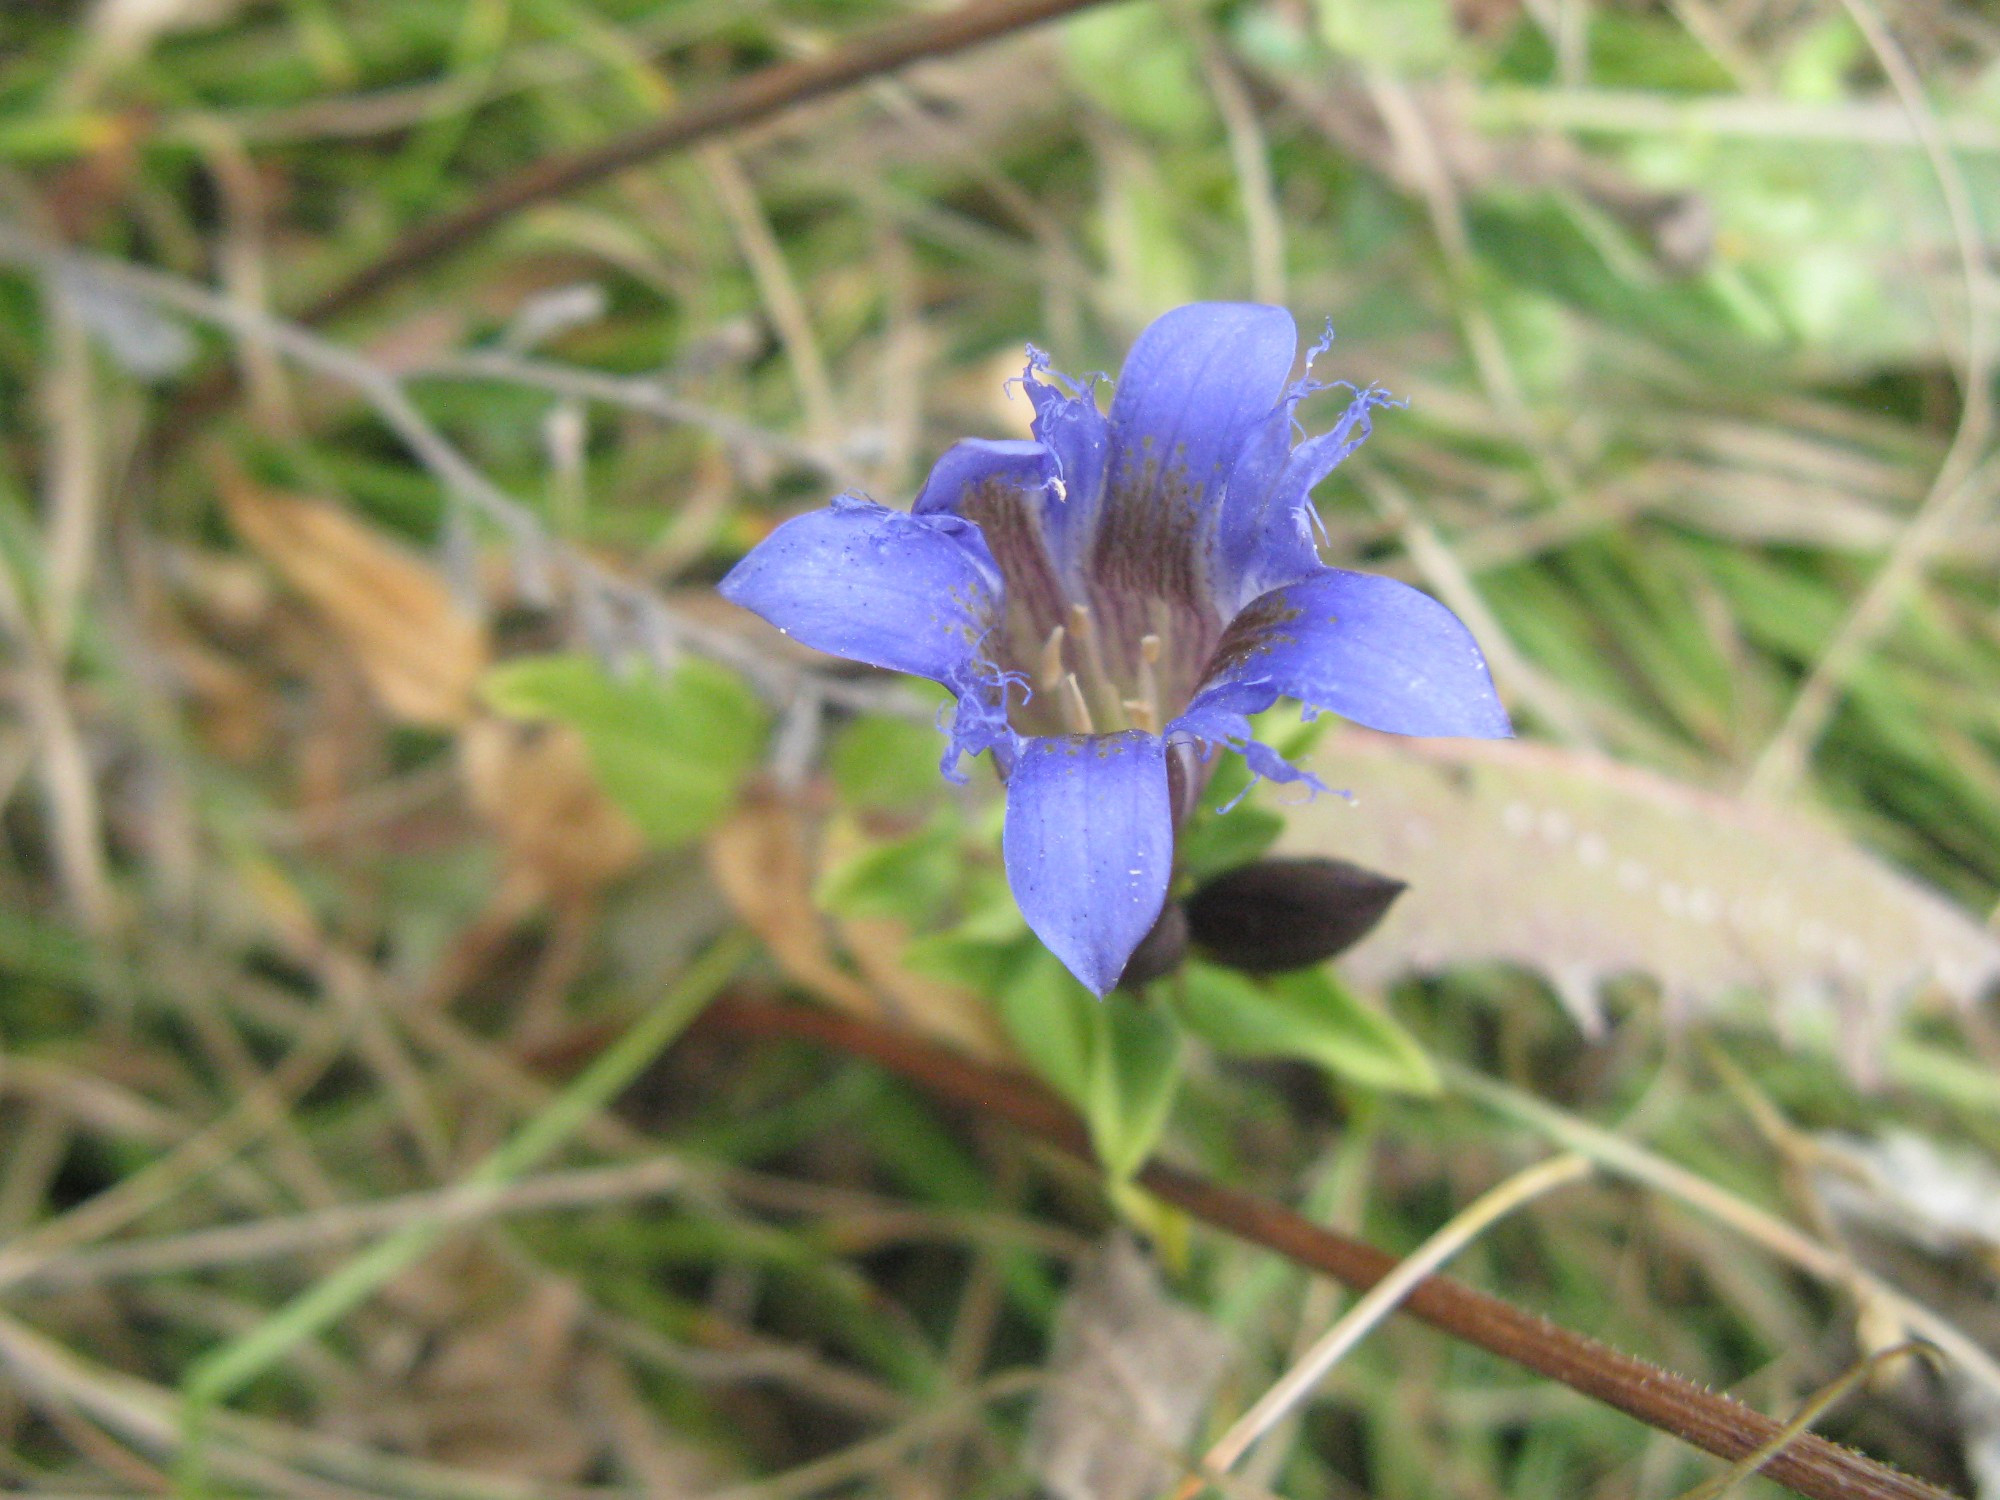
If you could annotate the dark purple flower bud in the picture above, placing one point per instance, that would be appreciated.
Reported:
(1160, 952)
(1278, 914)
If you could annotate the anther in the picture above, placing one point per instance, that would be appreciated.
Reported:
(1053, 671)
(1149, 685)
(1075, 712)
(1090, 654)
(1161, 617)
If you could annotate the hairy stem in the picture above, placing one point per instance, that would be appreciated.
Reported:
(1810, 1465)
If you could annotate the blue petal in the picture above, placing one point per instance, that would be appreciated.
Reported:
(1368, 648)
(1089, 843)
(1196, 383)
(1008, 490)
(1069, 423)
(1266, 534)
(975, 467)
(909, 593)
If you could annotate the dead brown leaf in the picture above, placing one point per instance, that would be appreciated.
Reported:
(1130, 1372)
(768, 859)
(952, 1014)
(533, 784)
(419, 651)
(948, 1012)
(762, 858)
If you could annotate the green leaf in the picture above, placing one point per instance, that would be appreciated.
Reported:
(1215, 842)
(904, 878)
(881, 764)
(983, 965)
(1308, 1015)
(987, 947)
(1048, 1017)
(1135, 1070)
(671, 752)
(1412, 36)
(1117, 1059)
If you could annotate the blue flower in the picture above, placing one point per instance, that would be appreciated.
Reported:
(1112, 601)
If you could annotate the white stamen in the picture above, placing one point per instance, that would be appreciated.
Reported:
(1053, 671)
(1075, 712)
(1083, 630)
(1161, 618)
(1149, 686)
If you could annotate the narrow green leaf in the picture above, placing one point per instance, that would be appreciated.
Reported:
(1117, 1059)
(1050, 1018)
(1215, 842)
(1135, 1070)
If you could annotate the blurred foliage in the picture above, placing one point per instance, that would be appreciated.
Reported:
(291, 925)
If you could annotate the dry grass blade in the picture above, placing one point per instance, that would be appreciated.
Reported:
(1298, 1383)
(141, 1192)
(1784, 759)
(763, 94)
(267, 1239)
(1630, 1160)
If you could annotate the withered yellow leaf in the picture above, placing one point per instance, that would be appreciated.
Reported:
(420, 652)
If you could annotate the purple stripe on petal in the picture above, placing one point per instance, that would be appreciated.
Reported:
(1370, 649)
(1007, 489)
(909, 593)
(1195, 384)
(1194, 387)
(1089, 844)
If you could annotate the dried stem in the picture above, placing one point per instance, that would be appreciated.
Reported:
(1298, 1383)
(463, 481)
(750, 100)
(1717, 1424)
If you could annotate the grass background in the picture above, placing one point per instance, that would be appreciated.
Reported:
(1689, 302)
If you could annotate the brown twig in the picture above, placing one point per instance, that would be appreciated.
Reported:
(751, 99)
(1810, 1465)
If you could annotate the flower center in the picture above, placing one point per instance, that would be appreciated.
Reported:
(1072, 671)
(1090, 677)
(1115, 639)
